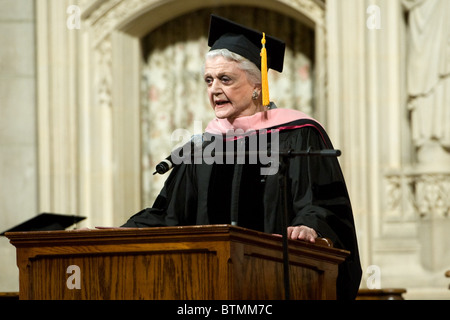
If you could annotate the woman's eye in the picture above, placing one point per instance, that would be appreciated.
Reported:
(208, 80)
(225, 79)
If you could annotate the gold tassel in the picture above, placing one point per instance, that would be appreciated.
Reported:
(264, 79)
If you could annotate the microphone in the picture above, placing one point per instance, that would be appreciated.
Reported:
(164, 166)
(168, 163)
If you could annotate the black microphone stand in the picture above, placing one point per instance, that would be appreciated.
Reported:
(283, 212)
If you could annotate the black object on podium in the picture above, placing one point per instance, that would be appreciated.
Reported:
(46, 222)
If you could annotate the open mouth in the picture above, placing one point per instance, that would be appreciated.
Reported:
(220, 103)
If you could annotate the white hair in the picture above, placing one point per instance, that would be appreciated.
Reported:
(253, 73)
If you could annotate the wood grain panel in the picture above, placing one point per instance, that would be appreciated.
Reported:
(163, 275)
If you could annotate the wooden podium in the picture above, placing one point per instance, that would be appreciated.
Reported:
(194, 262)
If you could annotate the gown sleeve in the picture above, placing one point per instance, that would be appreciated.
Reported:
(320, 200)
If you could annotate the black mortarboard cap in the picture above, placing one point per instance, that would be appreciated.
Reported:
(226, 34)
(46, 222)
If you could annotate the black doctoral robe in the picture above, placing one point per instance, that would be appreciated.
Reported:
(200, 194)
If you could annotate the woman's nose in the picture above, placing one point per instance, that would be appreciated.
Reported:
(215, 87)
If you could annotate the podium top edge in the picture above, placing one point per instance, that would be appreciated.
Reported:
(159, 234)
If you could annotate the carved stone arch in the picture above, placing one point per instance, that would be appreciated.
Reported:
(136, 18)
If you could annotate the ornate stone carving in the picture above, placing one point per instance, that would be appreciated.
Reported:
(313, 9)
(103, 54)
(106, 16)
(400, 198)
(432, 195)
(427, 194)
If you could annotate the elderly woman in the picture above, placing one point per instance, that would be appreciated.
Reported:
(220, 192)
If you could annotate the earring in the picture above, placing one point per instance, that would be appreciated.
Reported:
(255, 95)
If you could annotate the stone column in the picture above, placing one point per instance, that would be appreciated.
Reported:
(18, 143)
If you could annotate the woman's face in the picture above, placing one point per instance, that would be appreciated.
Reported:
(229, 90)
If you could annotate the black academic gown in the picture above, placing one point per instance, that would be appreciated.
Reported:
(201, 194)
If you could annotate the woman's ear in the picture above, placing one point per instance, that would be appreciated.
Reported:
(258, 88)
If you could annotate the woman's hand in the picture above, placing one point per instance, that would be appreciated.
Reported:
(302, 233)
